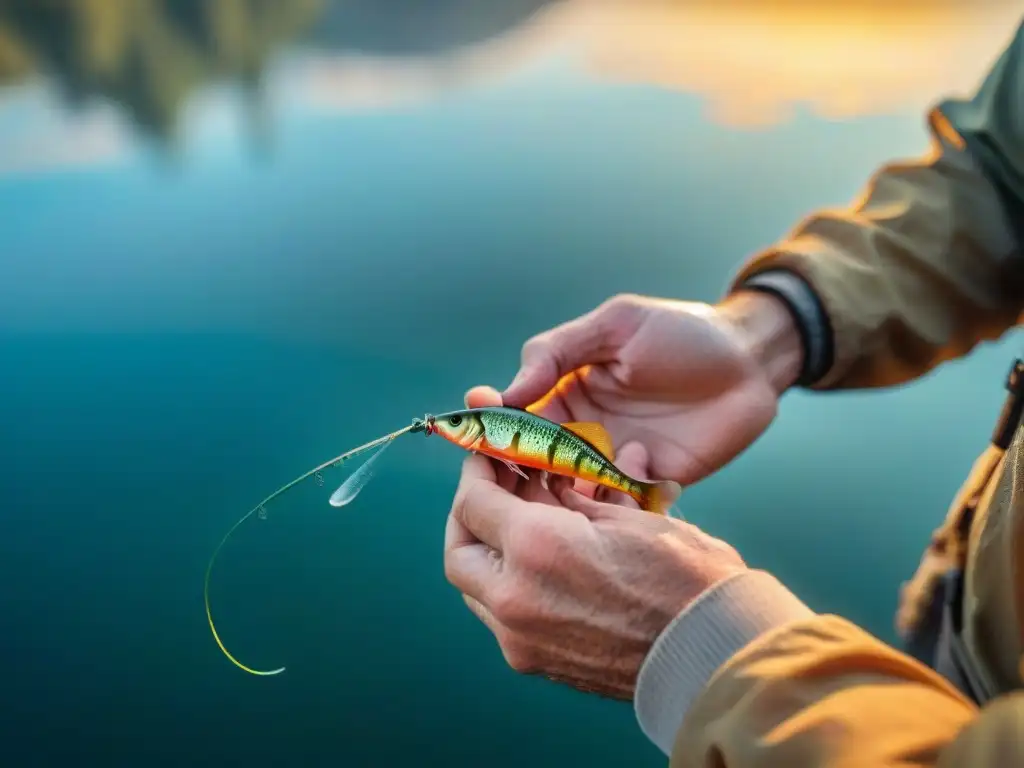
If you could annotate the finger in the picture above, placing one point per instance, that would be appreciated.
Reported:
(482, 613)
(534, 488)
(607, 495)
(509, 481)
(470, 568)
(481, 505)
(542, 487)
(483, 397)
(586, 488)
(632, 459)
(456, 534)
(572, 499)
(556, 483)
(591, 508)
(547, 357)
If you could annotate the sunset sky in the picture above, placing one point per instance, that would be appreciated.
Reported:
(751, 61)
(751, 64)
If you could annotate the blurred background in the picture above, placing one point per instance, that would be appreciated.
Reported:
(238, 237)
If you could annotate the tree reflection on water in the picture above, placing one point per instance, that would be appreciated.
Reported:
(150, 56)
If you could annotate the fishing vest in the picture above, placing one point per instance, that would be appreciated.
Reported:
(937, 639)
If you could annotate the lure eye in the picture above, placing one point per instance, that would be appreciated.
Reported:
(455, 420)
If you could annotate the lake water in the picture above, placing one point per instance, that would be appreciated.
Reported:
(204, 293)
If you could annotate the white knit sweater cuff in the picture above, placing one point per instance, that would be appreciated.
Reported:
(720, 622)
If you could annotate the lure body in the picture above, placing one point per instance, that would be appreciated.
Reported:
(577, 449)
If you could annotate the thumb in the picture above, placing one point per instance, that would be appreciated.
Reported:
(589, 339)
(633, 459)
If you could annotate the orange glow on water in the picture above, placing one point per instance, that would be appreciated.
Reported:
(753, 62)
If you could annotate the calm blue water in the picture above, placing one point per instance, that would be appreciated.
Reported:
(180, 338)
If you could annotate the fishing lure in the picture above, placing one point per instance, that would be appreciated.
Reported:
(515, 437)
(519, 439)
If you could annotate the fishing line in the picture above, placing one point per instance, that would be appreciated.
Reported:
(363, 476)
(585, 451)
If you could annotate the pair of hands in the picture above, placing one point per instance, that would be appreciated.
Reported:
(577, 585)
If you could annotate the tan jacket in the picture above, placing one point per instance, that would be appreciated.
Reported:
(926, 265)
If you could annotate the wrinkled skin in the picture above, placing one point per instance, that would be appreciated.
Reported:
(674, 376)
(574, 588)
(578, 588)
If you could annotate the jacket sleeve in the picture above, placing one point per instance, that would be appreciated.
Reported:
(994, 740)
(822, 693)
(928, 262)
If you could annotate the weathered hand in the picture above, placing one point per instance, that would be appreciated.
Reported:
(573, 588)
(694, 383)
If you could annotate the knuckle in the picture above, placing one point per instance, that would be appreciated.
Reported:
(622, 301)
(457, 511)
(621, 315)
(535, 346)
(629, 373)
(538, 545)
(451, 570)
(722, 549)
(621, 305)
(511, 606)
(466, 498)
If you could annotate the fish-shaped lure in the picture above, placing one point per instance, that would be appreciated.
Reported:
(515, 437)
(523, 439)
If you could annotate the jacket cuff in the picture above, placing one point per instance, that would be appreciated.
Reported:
(811, 321)
(688, 653)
